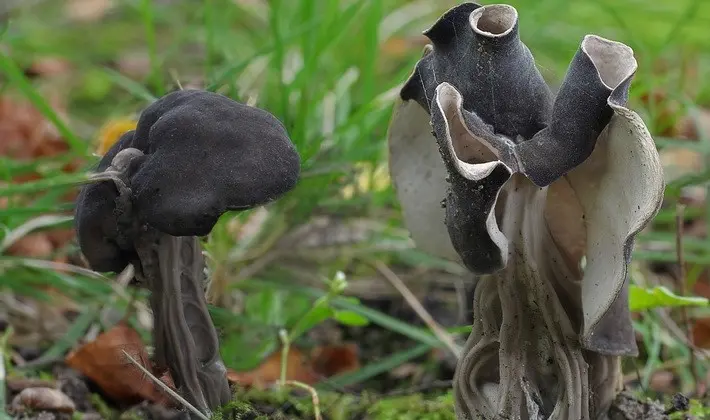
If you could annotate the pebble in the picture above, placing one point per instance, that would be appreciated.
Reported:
(42, 399)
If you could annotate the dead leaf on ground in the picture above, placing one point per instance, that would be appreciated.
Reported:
(42, 399)
(701, 333)
(323, 362)
(26, 135)
(103, 361)
(333, 360)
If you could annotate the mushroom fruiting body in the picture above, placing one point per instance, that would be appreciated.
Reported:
(531, 184)
(193, 156)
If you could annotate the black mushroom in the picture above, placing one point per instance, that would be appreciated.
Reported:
(193, 156)
(541, 196)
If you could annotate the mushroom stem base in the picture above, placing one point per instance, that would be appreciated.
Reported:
(523, 359)
(184, 336)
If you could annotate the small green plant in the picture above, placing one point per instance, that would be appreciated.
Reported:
(273, 316)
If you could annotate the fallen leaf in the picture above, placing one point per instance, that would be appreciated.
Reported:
(322, 362)
(333, 360)
(25, 133)
(701, 333)
(42, 399)
(298, 369)
(702, 286)
(103, 361)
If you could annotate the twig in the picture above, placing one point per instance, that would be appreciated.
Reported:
(679, 219)
(166, 388)
(412, 300)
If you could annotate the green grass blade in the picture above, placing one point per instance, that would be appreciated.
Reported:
(131, 86)
(70, 339)
(373, 369)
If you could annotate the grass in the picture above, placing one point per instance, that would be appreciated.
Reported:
(329, 69)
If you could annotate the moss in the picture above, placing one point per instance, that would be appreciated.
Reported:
(696, 409)
(288, 404)
(413, 407)
(237, 410)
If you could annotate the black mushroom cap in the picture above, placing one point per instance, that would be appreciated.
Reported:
(205, 154)
(96, 219)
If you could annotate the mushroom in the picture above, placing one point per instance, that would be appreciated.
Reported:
(521, 187)
(193, 156)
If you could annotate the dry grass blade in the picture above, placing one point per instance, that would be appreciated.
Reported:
(166, 388)
(412, 300)
(314, 396)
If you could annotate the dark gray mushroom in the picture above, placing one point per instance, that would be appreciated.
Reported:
(530, 184)
(193, 156)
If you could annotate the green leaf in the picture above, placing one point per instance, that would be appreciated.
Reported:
(246, 349)
(641, 299)
(266, 306)
(315, 316)
(350, 318)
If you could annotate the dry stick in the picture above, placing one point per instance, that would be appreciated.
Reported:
(166, 388)
(412, 300)
(679, 219)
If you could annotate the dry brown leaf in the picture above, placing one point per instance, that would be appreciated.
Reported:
(42, 399)
(332, 360)
(26, 135)
(323, 362)
(701, 333)
(103, 361)
(298, 369)
(702, 287)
